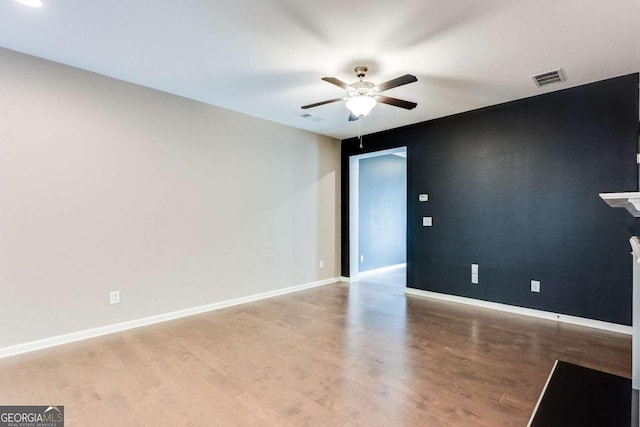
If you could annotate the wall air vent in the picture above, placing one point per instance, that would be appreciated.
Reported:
(549, 77)
(311, 117)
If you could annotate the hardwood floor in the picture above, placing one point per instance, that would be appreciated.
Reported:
(338, 355)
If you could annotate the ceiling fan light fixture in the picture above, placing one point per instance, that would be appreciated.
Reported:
(361, 105)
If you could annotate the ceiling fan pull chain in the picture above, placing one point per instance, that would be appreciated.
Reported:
(360, 131)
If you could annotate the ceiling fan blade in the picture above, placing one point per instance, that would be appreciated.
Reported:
(329, 101)
(398, 81)
(353, 117)
(338, 83)
(407, 105)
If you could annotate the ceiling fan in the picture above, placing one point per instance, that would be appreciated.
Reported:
(362, 96)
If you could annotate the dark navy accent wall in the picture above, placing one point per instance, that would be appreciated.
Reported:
(514, 188)
(382, 211)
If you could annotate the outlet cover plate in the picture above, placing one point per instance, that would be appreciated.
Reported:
(114, 297)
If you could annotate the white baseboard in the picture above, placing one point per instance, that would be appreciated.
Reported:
(345, 279)
(109, 329)
(565, 318)
(382, 269)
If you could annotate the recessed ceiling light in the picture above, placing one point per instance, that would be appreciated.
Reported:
(31, 3)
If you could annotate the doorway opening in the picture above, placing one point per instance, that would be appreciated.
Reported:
(378, 215)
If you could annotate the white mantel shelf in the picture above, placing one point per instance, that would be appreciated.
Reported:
(630, 201)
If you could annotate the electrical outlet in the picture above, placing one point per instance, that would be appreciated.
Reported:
(474, 274)
(114, 297)
(427, 221)
(321, 263)
(535, 286)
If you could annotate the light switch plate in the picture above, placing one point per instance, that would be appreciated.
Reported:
(474, 268)
(535, 286)
(474, 278)
(427, 221)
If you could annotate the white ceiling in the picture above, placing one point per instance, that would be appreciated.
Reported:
(266, 57)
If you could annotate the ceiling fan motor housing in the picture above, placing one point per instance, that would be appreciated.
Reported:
(362, 89)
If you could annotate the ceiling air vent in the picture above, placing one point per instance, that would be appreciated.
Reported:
(549, 77)
(311, 117)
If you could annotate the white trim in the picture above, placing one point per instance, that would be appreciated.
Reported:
(565, 318)
(354, 213)
(345, 279)
(396, 150)
(544, 390)
(382, 269)
(109, 329)
(354, 205)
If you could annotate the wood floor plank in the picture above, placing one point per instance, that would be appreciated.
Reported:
(338, 355)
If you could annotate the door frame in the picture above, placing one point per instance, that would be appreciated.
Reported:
(354, 206)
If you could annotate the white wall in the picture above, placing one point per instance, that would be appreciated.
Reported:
(105, 185)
